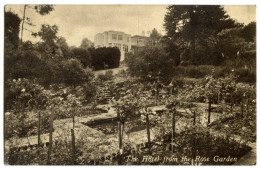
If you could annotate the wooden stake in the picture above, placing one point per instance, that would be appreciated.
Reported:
(173, 126)
(73, 146)
(39, 136)
(209, 112)
(50, 138)
(148, 130)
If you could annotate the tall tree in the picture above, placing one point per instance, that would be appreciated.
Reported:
(63, 45)
(194, 26)
(48, 34)
(155, 36)
(12, 28)
(249, 32)
(82, 55)
(41, 9)
(86, 43)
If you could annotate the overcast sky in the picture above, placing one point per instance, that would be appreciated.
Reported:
(76, 22)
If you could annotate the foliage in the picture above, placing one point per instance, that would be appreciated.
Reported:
(62, 44)
(151, 64)
(105, 58)
(155, 36)
(25, 65)
(82, 55)
(73, 73)
(12, 28)
(107, 76)
(43, 9)
(86, 44)
(193, 29)
(249, 32)
(48, 34)
(22, 101)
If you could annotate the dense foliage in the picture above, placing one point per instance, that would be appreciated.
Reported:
(11, 30)
(151, 63)
(105, 58)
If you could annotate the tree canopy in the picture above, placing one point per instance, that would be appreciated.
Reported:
(193, 28)
(12, 28)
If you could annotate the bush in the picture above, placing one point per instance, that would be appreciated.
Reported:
(193, 71)
(151, 63)
(105, 58)
(25, 65)
(82, 55)
(71, 72)
(107, 76)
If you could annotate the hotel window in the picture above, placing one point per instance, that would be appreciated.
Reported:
(128, 39)
(120, 37)
(114, 36)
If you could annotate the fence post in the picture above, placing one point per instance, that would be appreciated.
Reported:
(50, 138)
(209, 112)
(39, 136)
(148, 131)
(120, 142)
(173, 126)
(73, 146)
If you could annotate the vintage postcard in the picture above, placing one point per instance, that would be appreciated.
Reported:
(129, 84)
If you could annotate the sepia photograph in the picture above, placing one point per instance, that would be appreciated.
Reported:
(166, 84)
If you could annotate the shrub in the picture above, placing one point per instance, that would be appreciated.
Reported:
(107, 76)
(82, 55)
(71, 72)
(151, 63)
(105, 58)
(193, 71)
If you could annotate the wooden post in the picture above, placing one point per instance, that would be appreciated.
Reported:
(148, 131)
(209, 112)
(73, 146)
(50, 138)
(73, 137)
(39, 128)
(173, 126)
(120, 135)
(194, 137)
(120, 162)
(39, 136)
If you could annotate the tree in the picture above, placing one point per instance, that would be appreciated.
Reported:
(48, 34)
(249, 32)
(73, 73)
(195, 26)
(151, 63)
(41, 9)
(12, 28)
(86, 43)
(105, 58)
(63, 45)
(82, 55)
(155, 36)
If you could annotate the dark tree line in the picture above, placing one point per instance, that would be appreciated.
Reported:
(51, 60)
(197, 35)
(193, 30)
(105, 58)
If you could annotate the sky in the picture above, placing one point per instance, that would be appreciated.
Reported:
(76, 22)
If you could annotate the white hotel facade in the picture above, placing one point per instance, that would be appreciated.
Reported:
(114, 39)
